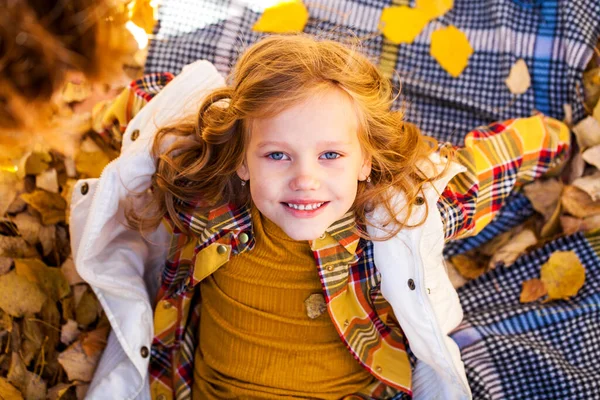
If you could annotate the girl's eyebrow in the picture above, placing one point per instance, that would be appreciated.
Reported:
(322, 143)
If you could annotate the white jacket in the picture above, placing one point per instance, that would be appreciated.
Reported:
(124, 269)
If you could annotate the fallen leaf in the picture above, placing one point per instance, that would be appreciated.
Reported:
(87, 309)
(69, 332)
(592, 156)
(563, 275)
(91, 164)
(48, 238)
(508, 253)
(589, 184)
(79, 359)
(78, 291)
(81, 391)
(33, 163)
(16, 247)
(451, 49)
(9, 187)
(402, 24)
(5, 264)
(8, 391)
(70, 272)
(574, 169)
(434, 8)
(144, 15)
(570, 225)
(47, 180)
(587, 132)
(544, 195)
(551, 226)
(315, 305)
(28, 226)
(532, 290)
(30, 384)
(50, 205)
(50, 279)
(578, 203)
(286, 16)
(56, 392)
(33, 338)
(467, 266)
(591, 223)
(18, 296)
(70, 167)
(518, 80)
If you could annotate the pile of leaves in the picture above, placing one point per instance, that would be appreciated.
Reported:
(564, 205)
(52, 327)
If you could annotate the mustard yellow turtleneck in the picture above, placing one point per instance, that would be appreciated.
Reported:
(256, 340)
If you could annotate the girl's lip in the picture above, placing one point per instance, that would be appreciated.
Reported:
(304, 201)
(305, 213)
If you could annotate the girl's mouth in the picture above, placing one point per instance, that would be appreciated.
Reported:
(305, 210)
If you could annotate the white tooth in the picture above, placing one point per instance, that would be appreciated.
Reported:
(301, 207)
(310, 207)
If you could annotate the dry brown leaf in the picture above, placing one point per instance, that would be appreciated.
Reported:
(69, 332)
(5, 264)
(591, 223)
(587, 132)
(563, 275)
(467, 266)
(91, 164)
(87, 309)
(78, 291)
(50, 279)
(56, 392)
(47, 180)
(578, 203)
(9, 188)
(70, 167)
(508, 253)
(568, 110)
(8, 391)
(589, 184)
(532, 290)
(70, 272)
(50, 205)
(29, 227)
(16, 247)
(592, 156)
(144, 15)
(33, 338)
(570, 225)
(33, 163)
(518, 80)
(455, 277)
(30, 384)
(81, 391)
(491, 247)
(48, 238)
(315, 305)
(18, 296)
(552, 226)
(544, 196)
(79, 359)
(76, 91)
(575, 168)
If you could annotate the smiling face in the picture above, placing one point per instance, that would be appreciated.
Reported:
(304, 164)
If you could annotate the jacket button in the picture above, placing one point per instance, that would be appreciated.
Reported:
(419, 201)
(221, 249)
(243, 238)
(135, 134)
(144, 352)
(411, 284)
(85, 188)
(378, 369)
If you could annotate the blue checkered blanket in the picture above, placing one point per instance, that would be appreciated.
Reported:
(510, 351)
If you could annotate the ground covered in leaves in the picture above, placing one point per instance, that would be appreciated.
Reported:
(52, 328)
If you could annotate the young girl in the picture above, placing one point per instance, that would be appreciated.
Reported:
(306, 223)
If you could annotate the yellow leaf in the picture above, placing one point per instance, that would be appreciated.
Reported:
(144, 15)
(8, 391)
(51, 205)
(518, 80)
(451, 49)
(532, 290)
(91, 164)
(50, 280)
(563, 275)
(468, 267)
(18, 296)
(402, 24)
(434, 8)
(284, 17)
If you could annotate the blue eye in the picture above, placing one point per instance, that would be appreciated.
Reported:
(331, 155)
(277, 156)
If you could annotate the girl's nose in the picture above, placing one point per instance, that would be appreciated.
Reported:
(304, 182)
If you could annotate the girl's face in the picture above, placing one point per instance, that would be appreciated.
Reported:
(304, 164)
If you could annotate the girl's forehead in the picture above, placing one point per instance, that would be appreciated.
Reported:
(329, 115)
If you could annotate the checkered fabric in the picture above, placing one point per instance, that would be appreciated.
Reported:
(534, 350)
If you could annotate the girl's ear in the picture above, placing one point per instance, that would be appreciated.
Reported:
(243, 172)
(365, 170)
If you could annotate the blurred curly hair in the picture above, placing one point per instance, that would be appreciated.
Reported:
(41, 41)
